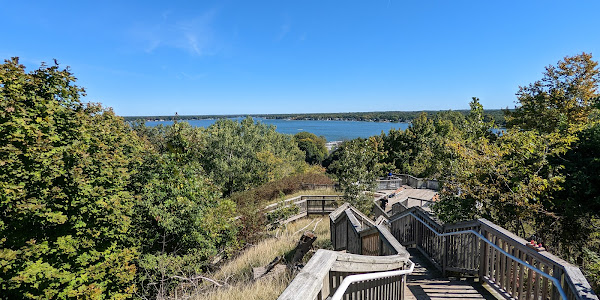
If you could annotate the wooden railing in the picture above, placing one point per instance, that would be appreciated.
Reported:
(493, 254)
(372, 249)
(300, 201)
(398, 180)
(478, 247)
(317, 186)
(307, 205)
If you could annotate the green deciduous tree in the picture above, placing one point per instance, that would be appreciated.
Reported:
(411, 150)
(508, 180)
(313, 146)
(539, 176)
(358, 164)
(180, 220)
(562, 100)
(576, 235)
(181, 223)
(65, 170)
(241, 155)
(421, 149)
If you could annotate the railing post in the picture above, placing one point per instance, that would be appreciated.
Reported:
(444, 255)
(483, 252)
(418, 233)
(557, 273)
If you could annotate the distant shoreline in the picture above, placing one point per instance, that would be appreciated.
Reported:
(383, 117)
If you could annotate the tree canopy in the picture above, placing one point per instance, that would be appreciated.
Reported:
(93, 207)
(313, 147)
(562, 100)
(241, 155)
(65, 176)
(537, 177)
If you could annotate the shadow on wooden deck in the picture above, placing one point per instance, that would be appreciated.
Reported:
(427, 283)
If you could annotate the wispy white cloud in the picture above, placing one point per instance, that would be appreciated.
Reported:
(302, 37)
(285, 28)
(184, 75)
(193, 35)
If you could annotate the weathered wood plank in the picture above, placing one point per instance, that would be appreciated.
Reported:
(309, 281)
(530, 279)
(521, 278)
(460, 252)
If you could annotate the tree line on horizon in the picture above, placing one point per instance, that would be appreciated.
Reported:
(495, 115)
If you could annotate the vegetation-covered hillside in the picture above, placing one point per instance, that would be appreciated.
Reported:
(94, 207)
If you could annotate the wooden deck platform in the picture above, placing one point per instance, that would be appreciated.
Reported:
(426, 283)
(409, 197)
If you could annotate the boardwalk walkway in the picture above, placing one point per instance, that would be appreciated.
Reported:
(426, 283)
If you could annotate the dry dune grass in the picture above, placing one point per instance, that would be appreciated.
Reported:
(237, 273)
(259, 290)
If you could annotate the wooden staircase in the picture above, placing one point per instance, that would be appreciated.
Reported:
(498, 263)
(427, 283)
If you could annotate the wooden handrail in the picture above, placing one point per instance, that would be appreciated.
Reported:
(501, 258)
(542, 273)
(399, 179)
(339, 293)
(300, 199)
(326, 270)
(575, 281)
(478, 247)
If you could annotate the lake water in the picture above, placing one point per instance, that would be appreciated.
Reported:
(331, 130)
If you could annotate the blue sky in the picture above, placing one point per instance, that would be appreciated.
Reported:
(247, 57)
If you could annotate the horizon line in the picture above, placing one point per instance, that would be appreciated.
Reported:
(309, 113)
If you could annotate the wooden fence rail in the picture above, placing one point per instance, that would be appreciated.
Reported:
(494, 254)
(316, 186)
(307, 205)
(398, 180)
(372, 248)
(477, 247)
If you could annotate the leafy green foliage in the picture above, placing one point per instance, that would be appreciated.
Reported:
(242, 155)
(313, 147)
(422, 149)
(182, 223)
(504, 180)
(180, 219)
(183, 211)
(577, 234)
(540, 177)
(281, 213)
(411, 151)
(358, 164)
(64, 177)
(287, 185)
(519, 179)
(562, 101)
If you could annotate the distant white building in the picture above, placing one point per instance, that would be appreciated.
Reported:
(332, 145)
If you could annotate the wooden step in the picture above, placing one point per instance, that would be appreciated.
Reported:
(427, 283)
